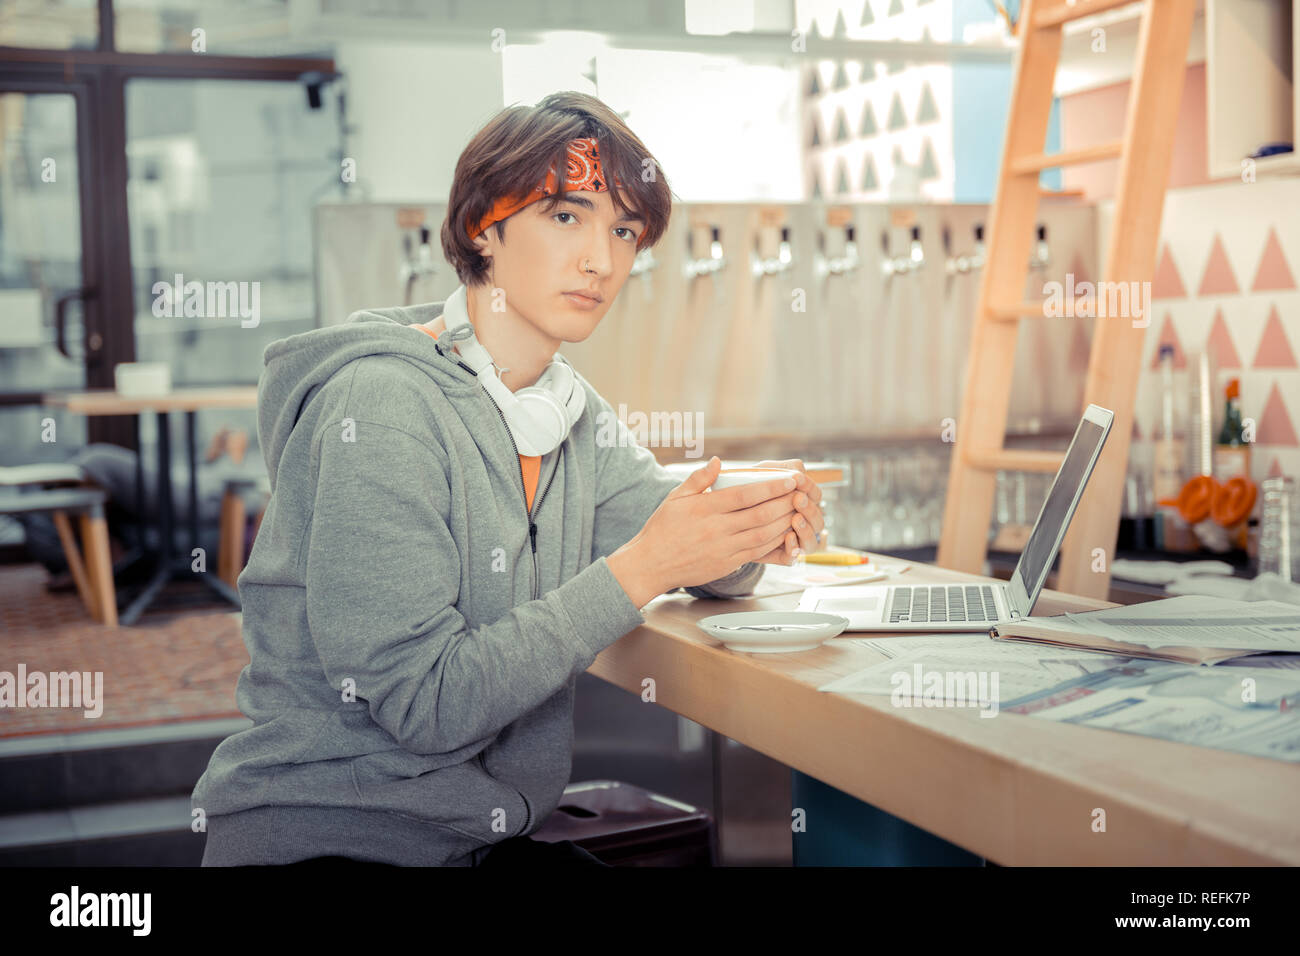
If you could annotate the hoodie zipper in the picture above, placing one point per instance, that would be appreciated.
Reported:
(532, 533)
(528, 514)
(532, 525)
(537, 504)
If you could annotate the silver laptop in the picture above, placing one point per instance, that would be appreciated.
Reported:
(977, 607)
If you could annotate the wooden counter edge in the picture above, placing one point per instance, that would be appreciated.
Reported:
(1008, 800)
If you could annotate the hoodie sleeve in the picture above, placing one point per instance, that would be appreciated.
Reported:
(382, 578)
(630, 485)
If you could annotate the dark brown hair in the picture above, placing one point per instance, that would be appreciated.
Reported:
(511, 155)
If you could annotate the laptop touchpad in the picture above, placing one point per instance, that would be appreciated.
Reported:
(837, 605)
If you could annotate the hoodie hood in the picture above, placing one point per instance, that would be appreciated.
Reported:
(297, 366)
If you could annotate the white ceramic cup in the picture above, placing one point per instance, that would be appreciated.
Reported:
(142, 378)
(731, 477)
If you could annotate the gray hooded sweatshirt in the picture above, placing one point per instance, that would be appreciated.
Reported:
(414, 633)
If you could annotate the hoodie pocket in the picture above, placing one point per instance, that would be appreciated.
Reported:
(464, 796)
(528, 807)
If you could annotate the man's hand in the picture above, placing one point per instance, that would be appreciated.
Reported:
(694, 538)
(809, 522)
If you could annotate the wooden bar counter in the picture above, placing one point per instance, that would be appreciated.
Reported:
(1015, 790)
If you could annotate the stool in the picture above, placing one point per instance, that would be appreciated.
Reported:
(234, 524)
(625, 825)
(94, 575)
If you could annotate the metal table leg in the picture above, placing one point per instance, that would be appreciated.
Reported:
(209, 577)
(139, 544)
(169, 565)
(190, 444)
(139, 479)
(163, 572)
(165, 488)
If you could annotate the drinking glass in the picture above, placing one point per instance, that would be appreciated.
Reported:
(1279, 539)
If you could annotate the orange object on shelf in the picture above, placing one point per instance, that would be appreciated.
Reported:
(1193, 502)
(1203, 497)
(1233, 501)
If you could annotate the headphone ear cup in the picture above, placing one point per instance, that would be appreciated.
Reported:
(540, 416)
(550, 424)
(564, 385)
(531, 425)
(577, 397)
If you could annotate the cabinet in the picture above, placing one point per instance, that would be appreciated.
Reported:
(1250, 69)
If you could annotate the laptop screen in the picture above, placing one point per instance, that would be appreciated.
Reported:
(1054, 518)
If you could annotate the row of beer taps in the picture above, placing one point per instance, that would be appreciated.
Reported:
(418, 258)
(850, 260)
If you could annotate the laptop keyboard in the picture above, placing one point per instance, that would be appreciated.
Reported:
(942, 604)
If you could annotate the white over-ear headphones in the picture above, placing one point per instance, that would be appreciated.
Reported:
(539, 416)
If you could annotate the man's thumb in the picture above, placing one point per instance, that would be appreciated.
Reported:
(701, 478)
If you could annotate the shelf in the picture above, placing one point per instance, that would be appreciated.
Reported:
(1250, 67)
(1279, 165)
(1070, 11)
(1249, 48)
(1084, 68)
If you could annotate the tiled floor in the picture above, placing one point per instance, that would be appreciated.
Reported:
(179, 662)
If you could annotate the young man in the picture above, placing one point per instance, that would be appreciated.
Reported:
(450, 541)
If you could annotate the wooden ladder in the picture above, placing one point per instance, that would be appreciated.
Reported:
(1144, 157)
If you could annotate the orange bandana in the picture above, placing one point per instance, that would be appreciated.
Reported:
(582, 172)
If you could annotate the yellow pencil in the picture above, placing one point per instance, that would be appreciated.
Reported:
(834, 557)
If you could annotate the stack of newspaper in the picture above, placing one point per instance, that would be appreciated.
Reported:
(1191, 629)
(1082, 669)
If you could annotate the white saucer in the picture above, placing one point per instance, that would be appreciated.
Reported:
(794, 632)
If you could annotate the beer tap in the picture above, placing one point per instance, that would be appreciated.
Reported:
(783, 262)
(416, 263)
(644, 263)
(836, 265)
(1041, 257)
(964, 264)
(707, 266)
(901, 265)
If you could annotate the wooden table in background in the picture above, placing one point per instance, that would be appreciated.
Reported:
(1012, 790)
(189, 401)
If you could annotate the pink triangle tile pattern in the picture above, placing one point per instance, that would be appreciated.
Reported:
(1217, 278)
(1268, 367)
(1167, 283)
(1220, 344)
(1275, 427)
(1168, 336)
(1274, 350)
(1273, 273)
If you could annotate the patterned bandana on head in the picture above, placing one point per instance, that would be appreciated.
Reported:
(582, 172)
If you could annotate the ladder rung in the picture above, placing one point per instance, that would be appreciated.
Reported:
(1015, 459)
(1037, 162)
(1009, 313)
(1064, 12)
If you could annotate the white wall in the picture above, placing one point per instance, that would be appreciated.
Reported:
(415, 106)
(722, 130)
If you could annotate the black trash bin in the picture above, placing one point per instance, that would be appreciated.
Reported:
(625, 825)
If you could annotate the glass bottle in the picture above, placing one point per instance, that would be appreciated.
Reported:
(1232, 452)
(1167, 476)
